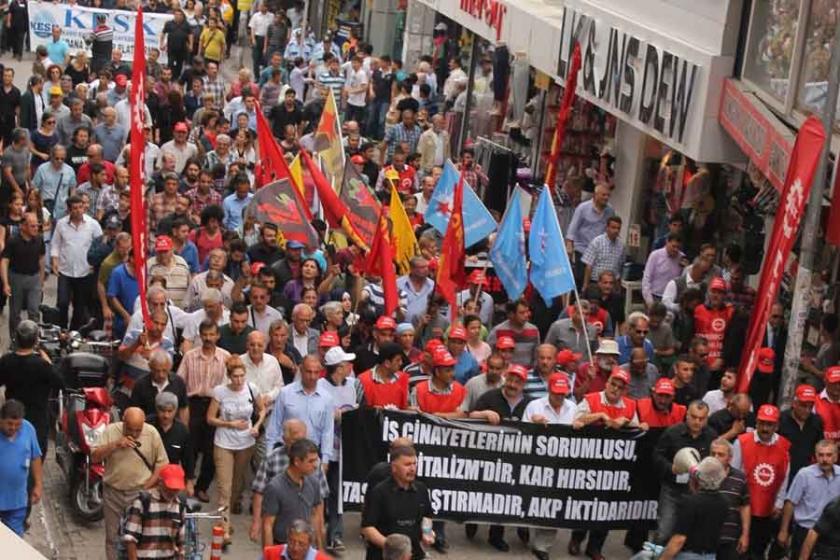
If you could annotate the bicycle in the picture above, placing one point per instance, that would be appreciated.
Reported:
(193, 547)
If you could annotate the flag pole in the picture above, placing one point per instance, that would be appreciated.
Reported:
(585, 335)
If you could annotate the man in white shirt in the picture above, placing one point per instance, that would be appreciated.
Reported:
(304, 338)
(260, 314)
(213, 308)
(356, 91)
(554, 408)
(262, 370)
(258, 27)
(73, 236)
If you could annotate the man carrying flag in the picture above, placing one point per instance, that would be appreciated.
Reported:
(380, 262)
(450, 272)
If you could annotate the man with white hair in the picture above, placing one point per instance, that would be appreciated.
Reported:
(160, 379)
(735, 533)
(157, 300)
(397, 547)
(702, 514)
(212, 308)
(304, 337)
(262, 370)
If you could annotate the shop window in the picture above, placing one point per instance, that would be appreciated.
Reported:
(771, 44)
(819, 33)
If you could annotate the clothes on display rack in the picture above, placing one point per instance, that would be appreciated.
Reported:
(501, 72)
(500, 165)
(519, 86)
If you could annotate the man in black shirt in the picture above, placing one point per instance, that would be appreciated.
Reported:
(29, 378)
(381, 84)
(22, 270)
(160, 379)
(824, 539)
(288, 112)
(692, 433)
(175, 435)
(802, 428)
(9, 105)
(266, 249)
(505, 403)
(177, 39)
(735, 533)
(697, 529)
(732, 421)
(233, 336)
(399, 504)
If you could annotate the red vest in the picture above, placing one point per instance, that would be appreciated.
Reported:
(275, 552)
(657, 419)
(435, 402)
(711, 324)
(406, 184)
(381, 394)
(627, 411)
(765, 467)
(830, 414)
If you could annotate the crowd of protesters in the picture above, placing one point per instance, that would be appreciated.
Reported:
(257, 345)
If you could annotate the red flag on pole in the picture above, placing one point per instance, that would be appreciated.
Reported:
(832, 230)
(562, 119)
(800, 175)
(450, 271)
(272, 164)
(380, 262)
(136, 165)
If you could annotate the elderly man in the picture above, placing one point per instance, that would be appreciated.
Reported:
(643, 374)
(213, 309)
(662, 266)
(303, 399)
(133, 454)
(605, 253)
(68, 124)
(155, 525)
(157, 300)
(299, 544)
(434, 146)
(802, 428)
(588, 222)
(304, 338)
(22, 267)
(636, 337)
(397, 547)
(544, 367)
(592, 376)
(213, 277)
(179, 147)
(418, 286)
(735, 533)
(160, 379)
(54, 180)
(573, 332)
(175, 436)
(110, 135)
(175, 269)
(262, 370)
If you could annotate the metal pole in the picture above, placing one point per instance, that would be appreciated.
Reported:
(462, 140)
(810, 232)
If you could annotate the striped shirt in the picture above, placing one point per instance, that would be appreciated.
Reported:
(275, 463)
(376, 297)
(159, 530)
(734, 489)
(334, 82)
(526, 339)
(415, 375)
(201, 373)
(535, 385)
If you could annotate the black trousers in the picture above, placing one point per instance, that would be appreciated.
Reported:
(176, 62)
(202, 437)
(763, 531)
(595, 542)
(80, 292)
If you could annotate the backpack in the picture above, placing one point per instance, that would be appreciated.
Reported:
(145, 500)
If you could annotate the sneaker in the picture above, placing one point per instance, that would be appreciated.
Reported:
(338, 545)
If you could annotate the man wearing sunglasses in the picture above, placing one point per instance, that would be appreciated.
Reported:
(637, 330)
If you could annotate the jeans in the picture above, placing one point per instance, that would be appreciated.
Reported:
(114, 503)
(231, 468)
(695, 556)
(669, 501)
(79, 291)
(14, 519)
(376, 118)
(355, 113)
(335, 529)
(202, 437)
(26, 294)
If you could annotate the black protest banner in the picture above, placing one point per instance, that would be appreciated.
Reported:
(512, 474)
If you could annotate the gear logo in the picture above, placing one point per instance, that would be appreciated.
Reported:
(764, 474)
(718, 325)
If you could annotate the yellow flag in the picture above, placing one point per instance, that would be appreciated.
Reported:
(327, 141)
(405, 242)
(297, 174)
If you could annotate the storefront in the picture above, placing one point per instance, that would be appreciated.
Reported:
(658, 84)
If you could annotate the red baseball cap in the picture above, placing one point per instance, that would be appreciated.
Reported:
(442, 358)
(505, 342)
(806, 394)
(432, 345)
(558, 384)
(385, 323)
(163, 243)
(181, 127)
(768, 413)
(518, 371)
(358, 159)
(458, 333)
(717, 283)
(121, 80)
(618, 373)
(766, 360)
(256, 267)
(477, 277)
(173, 477)
(664, 386)
(832, 374)
(328, 339)
(566, 356)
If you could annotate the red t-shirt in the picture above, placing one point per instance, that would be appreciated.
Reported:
(383, 394)
(205, 243)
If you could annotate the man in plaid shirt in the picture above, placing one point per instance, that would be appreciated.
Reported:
(214, 85)
(154, 522)
(407, 132)
(275, 462)
(605, 252)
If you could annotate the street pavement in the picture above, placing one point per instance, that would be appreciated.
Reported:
(58, 535)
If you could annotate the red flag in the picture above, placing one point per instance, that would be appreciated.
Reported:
(136, 165)
(562, 119)
(450, 271)
(380, 262)
(335, 210)
(281, 204)
(800, 175)
(832, 230)
(272, 164)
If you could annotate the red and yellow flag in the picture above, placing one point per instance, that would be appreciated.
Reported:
(380, 262)
(327, 141)
(450, 272)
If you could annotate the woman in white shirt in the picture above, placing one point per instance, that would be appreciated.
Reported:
(237, 412)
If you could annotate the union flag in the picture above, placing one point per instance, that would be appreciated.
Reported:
(450, 272)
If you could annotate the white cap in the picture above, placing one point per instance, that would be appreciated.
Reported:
(337, 355)
(607, 346)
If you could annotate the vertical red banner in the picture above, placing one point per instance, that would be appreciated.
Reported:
(136, 166)
(800, 175)
(563, 116)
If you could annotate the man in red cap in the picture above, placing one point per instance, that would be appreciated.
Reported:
(423, 368)
(175, 269)
(327, 340)
(763, 457)
(506, 403)
(660, 410)
(466, 366)
(517, 326)
(476, 282)
(608, 408)
(761, 383)
(180, 147)
(505, 347)
(828, 404)
(385, 384)
(367, 355)
(710, 322)
(154, 522)
(802, 427)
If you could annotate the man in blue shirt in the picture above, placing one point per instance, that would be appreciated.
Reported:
(466, 366)
(305, 401)
(235, 204)
(21, 455)
(636, 337)
(122, 292)
(58, 49)
(588, 222)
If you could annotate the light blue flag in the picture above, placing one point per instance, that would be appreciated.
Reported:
(551, 272)
(508, 251)
(478, 221)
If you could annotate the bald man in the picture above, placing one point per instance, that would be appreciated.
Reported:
(134, 454)
(275, 463)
